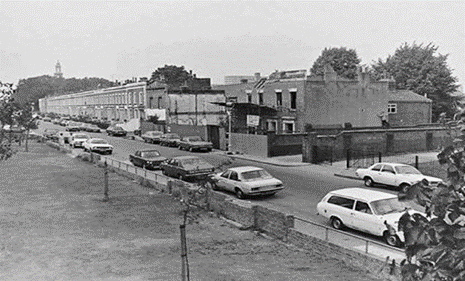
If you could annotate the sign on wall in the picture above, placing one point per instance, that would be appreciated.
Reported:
(161, 113)
(253, 120)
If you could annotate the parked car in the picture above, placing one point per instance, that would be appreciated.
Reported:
(152, 136)
(116, 131)
(170, 139)
(187, 167)
(82, 126)
(47, 119)
(78, 139)
(65, 136)
(366, 211)
(92, 128)
(148, 159)
(98, 145)
(393, 174)
(73, 127)
(246, 181)
(51, 134)
(194, 143)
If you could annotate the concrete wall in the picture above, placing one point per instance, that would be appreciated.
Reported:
(189, 130)
(388, 141)
(285, 144)
(250, 144)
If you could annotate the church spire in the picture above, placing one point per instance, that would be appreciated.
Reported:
(58, 73)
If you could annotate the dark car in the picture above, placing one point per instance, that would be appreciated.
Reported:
(152, 136)
(187, 167)
(170, 139)
(148, 159)
(194, 143)
(92, 128)
(73, 127)
(51, 134)
(116, 131)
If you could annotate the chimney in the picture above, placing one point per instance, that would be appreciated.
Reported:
(363, 76)
(257, 76)
(329, 73)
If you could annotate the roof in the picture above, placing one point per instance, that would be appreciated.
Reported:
(406, 95)
(393, 164)
(244, 169)
(185, 157)
(363, 194)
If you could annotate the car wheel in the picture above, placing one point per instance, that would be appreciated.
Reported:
(404, 187)
(337, 223)
(181, 177)
(110, 153)
(180, 147)
(391, 240)
(368, 181)
(145, 141)
(239, 193)
(163, 172)
(212, 185)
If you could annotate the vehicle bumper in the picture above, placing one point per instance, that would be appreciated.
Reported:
(102, 150)
(264, 192)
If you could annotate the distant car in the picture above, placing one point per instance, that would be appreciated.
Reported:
(152, 136)
(246, 181)
(47, 119)
(116, 131)
(51, 134)
(365, 210)
(66, 136)
(393, 174)
(82, 126)
(73, 127)
(170, 139)
(187, 167)
(56, 121)
(148, 159)
(78, 139)
(98, 145)
(92, 128)
(194, 143)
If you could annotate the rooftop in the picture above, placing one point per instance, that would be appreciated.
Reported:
(406, 95)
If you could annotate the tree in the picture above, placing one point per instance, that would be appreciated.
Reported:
(344, 62)
(173, 76)
(26, 119)
(438, 241)
(7, 111)
(418, 68)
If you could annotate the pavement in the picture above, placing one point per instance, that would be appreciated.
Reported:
(338, 168)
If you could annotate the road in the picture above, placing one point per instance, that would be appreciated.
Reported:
(304, 186)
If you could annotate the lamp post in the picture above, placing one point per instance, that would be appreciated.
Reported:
(229, 106)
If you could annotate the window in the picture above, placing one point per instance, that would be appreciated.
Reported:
(363, 207)
(234, 176)
(377, 167)
(288, 127)
(249, 98)
(150, 102)
(293, 100)
(388, 169)
(392, 108)
(341, 201)
(159, 102)
(272, 124)
(279, 99)
(260, 98)
(226, 174)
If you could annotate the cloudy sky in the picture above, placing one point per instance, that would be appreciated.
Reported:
(120, 40)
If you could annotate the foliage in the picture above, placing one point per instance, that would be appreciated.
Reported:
(437, 241)
(153, 119)
(344, 61)
(418, 68)
(173, 76)
(7, 111)
(34, 88)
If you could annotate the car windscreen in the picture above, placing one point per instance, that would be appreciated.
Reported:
(387, 206)
(194, 139)
(118, 128)
(255, 175)
(99, 141)
(80, 136)
(407, 170)
(192, 161)
(150, 154)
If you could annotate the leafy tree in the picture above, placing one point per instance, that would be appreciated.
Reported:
(344, 62)
(26, 119)
(7, 111)
(438, 241)
(418, 68)
(173, 76)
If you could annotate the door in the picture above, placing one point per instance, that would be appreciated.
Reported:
(213, 133)
(342, 207)
(223, 180)
(376, 173)
(388, 175)
(365, 220)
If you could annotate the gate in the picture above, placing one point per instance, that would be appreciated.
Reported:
(213, 132)
(322, 154)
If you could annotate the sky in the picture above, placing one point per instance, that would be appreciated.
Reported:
(121, 40)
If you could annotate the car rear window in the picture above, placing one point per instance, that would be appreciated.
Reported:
(341, 201)
(255, 175)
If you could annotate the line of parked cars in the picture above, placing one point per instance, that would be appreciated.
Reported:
(190, 143)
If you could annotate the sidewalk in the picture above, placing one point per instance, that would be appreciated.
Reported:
(338, 168)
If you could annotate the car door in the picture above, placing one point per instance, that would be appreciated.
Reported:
(223, 179)
(375, 172)
(233, 181)
(137, 160)
(365, 220)
(388, 175)
(342, 207)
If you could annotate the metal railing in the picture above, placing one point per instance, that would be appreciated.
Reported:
(348, 240)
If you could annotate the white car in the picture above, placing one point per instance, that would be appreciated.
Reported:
(246, 181)
(77, 140)
(392, 174)
(98, 145)
(365, 210)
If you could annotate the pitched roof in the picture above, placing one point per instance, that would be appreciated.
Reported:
(406, 95)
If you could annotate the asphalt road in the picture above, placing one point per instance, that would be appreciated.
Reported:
(304, 186)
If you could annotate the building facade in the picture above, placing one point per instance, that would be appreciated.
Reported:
(406, 108)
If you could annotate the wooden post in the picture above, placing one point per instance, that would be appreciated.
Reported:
(105, 174)
(184, 268)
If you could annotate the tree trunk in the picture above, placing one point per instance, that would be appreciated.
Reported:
(27, 137)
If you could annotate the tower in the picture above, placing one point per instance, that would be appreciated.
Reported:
(58, 73)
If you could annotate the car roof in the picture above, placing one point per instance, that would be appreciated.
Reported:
(92, 139)
(245, 169)
(363, 194)
(185, 157)
(393, 164)
(149, 150)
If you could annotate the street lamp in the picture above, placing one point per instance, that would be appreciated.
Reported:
(229, 106)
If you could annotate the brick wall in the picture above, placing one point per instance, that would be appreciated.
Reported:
(250, 144)
(189, 130)
(275, 223)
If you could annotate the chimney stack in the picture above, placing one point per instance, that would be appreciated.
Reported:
(257, 76)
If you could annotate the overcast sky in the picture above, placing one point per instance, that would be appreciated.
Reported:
(120, 40)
